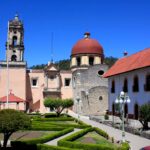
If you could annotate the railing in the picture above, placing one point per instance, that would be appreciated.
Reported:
(51, 90)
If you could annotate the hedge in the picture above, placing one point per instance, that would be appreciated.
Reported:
(35, 124)
(47, 128)
(67, 141)
(50, 147)
(55, 119)
(101, 132)
(125, 146)
(49, 115)
(32, 142)
(77, 135)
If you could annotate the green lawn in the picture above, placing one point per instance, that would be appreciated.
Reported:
(94, 138)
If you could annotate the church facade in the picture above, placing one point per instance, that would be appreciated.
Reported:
(25, 89)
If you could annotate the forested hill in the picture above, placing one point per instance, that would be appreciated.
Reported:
(65, 64)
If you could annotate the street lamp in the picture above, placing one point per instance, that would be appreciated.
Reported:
(122, 99)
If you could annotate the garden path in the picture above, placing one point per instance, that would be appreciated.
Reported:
(136, 142)
(54, 142)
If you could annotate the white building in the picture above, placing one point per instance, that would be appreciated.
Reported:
(130, 74)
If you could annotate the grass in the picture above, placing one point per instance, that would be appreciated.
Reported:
(94, 138)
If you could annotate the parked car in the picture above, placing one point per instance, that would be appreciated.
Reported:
(146, 148)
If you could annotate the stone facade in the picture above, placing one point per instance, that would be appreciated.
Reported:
(91, 89)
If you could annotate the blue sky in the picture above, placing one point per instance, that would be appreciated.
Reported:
(118, 25)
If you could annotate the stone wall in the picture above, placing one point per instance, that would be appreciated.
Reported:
(88, 86)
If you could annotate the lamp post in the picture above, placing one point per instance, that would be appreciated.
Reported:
(122, 99)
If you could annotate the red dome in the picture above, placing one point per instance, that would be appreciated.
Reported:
(87, 46)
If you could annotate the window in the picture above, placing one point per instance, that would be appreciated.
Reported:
(67, 81)
(135, 84)
(91, 61)
(100, 98)
(78, 61)
(13, 58)
(100, 72)
(52, 77)
(14, 42)
(125, 86)
(34, 82)
(136, 111)
(147, 83)
(113, 87)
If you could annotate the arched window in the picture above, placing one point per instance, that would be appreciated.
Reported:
(14, 42)
(136, 84)
(113, 87)
(147, 83)
(136, 111)
(13, 58)
(125, 86)
(78, 61)
(91, 61)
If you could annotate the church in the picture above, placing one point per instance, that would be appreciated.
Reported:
(25, 89)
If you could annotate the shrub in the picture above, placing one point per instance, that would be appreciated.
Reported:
(145, 115)
(125, 146)
(106, 116)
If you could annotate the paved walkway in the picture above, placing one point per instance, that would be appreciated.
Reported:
(136, 142)
(54, 142)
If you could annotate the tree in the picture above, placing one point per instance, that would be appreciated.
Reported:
(58, 105)
(110, 60)
(63, 64)
(145, 115)
(11, 121)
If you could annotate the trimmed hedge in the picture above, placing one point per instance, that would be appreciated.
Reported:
(47, 128)
(125, 146)
(32, 142)
(101, 132)
(76, 135)
(55, 119)
(84, 146)
(49, 147)
(35, 124)
(67, 141)
(51, 115)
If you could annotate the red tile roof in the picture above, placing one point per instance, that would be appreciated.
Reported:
(11, 98)
(129, 63)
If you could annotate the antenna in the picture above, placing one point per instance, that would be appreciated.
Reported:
(52, 55)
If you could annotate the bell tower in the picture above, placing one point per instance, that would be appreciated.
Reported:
(15, 38)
